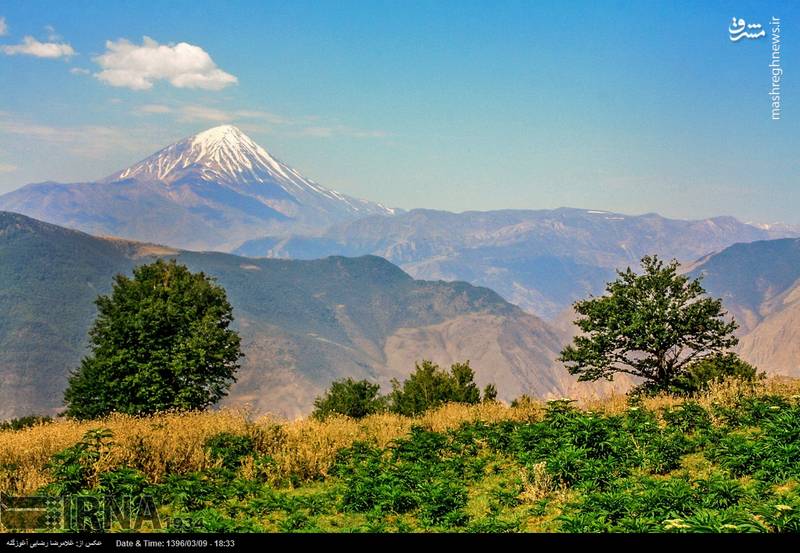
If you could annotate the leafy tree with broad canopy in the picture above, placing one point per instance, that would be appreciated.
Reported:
(654, 325)
(161, 341)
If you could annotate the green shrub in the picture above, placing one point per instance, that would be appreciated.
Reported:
(772, 454)
(783, 515)
(123, 482)
(687, 417)
(677, 504)
(355, 399)
(229, 448)
(425, 472)
(442, 503)
(24, 422)
(700, 374)
(186, 492)
(211, 520)
(74, 469)
(429, 387)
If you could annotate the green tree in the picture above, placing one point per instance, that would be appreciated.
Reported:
(652, 326)
(161, 341)
(714, 368)
(489, 393)
(462, 384)
(429, 387)
(349, 397)
(25, 422)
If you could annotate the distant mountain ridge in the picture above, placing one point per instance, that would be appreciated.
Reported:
(212, 190)
(541, 260)
(306, 323)
(759, 284)
(303, 323)
(219, 190)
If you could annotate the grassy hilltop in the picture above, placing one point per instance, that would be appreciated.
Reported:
(727, 461)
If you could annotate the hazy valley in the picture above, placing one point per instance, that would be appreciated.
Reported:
(303, 323)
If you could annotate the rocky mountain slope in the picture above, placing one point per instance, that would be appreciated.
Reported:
(760, 286)
(540, 260)
(303, 323)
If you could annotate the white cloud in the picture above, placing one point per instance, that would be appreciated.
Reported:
(79, 71)
(7, 168)
(32, 47)
(321, 131)
(260, 121)
(52, 35)
(202, 113)
(193, 113)
(183, 65)
(90, 141)
(155, 108)
(3, 27)
(264, 116)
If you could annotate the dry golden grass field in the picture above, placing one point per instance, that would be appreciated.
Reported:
(303, 456)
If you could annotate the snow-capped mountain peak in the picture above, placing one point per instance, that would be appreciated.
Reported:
(233, 152)
(222, 133)
(213, 190)
(223, 154)
(227, 157)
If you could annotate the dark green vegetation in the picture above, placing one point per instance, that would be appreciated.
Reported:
(161, 341)
(700, 374)
(350, 398)
(303, 324)
(652, 325)
(732, 466)
(24, 422)
(428, 387)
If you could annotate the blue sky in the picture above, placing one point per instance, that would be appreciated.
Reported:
(626, 106)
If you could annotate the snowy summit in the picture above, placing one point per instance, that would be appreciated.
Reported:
(226, 156)
(213, 190)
